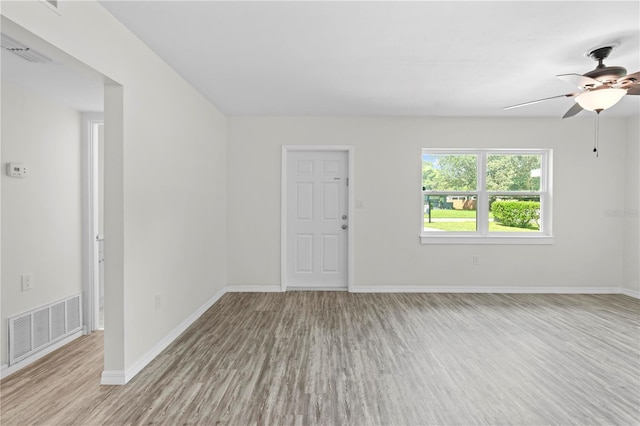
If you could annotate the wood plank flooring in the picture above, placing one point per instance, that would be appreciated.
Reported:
(335, 358)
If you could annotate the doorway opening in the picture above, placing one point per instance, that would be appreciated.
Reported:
(94, 218)
(71, 83)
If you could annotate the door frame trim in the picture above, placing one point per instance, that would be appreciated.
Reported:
(286, 149)
(90, 268)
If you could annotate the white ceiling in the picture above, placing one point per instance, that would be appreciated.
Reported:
(360, 58)
(392, 58)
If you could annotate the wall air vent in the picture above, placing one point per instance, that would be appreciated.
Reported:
(33, 331)
(21, 50)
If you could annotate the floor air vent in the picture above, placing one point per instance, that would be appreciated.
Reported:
(35, 330)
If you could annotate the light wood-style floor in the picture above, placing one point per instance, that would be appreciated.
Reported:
(334, 358)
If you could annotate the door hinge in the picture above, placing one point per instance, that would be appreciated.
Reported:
(347, 181)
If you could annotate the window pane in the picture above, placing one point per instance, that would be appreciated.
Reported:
(514, 213)
(451, 213)
(513, 172)
(449, 172)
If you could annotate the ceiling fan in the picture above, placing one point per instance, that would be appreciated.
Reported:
(601, 88)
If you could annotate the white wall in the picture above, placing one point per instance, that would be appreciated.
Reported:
(165, 179)
(631, 215)
(41, 213)
(587, 252)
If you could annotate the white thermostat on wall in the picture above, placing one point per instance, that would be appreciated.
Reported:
(16, 170)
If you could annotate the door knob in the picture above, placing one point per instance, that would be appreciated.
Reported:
(344, 226)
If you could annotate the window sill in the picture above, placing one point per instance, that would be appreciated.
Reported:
(473, 239)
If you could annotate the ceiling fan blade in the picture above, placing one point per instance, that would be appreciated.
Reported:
(630, 82)
(633, 77)
(576, 108)
(568, 95)
(634, 90)
(580, 81)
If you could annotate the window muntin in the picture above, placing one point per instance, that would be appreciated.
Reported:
(474, 180)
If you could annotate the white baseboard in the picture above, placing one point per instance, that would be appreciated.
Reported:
(253, 289)
(631, 293)
(122, 377)
(116, 377)
(474, 289)
(316, 288)
(6, 369)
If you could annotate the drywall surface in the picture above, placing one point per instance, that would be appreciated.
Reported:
(588, 241)
(629, 213)
(41, 213)
(165, 179)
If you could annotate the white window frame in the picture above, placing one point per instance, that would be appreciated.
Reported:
(482, 234)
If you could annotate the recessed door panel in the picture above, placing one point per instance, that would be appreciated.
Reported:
(304, 253)
(304, 167)
(330, 253)
(330, 201)
(330, 167)
(304, 200)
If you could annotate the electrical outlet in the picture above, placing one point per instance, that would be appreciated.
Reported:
(475, 260)
(158, 301)
(27, 282)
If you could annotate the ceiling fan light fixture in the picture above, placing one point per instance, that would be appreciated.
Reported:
(602, 99)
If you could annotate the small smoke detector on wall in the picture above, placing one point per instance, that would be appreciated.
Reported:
(16, 170)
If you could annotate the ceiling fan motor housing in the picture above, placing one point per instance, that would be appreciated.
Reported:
(602, 72)
(605, 74)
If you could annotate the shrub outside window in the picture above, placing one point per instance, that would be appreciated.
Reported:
(486, 196)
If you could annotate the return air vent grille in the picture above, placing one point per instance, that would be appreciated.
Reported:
(22, 342)
(35, 330)
(41, 328)
(57, 321)
(22, 50)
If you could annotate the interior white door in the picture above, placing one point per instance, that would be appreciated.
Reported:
(317, 207)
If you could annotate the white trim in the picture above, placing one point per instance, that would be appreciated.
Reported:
(253, 289)
(477, 239)
(483, 289)
(350, 150)
(7, 370)
(350, 212)
(283, 219)
(90, 268)
(120, 378)
(629, 292)
(116, 377)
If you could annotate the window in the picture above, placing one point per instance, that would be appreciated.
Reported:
(486, 196)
